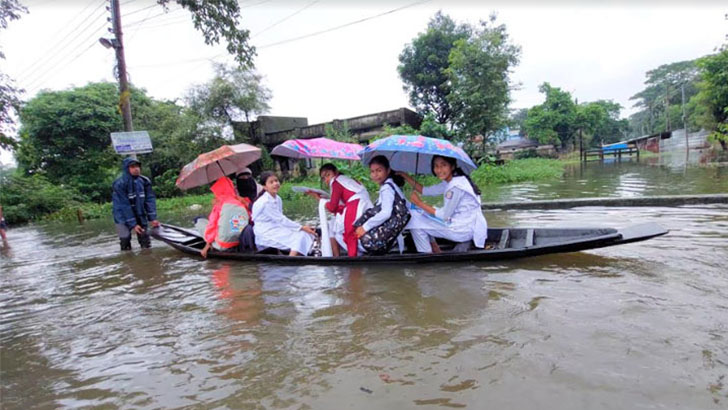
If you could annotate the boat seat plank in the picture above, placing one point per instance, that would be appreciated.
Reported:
(462, 247)
(505, 236)
(529, 238)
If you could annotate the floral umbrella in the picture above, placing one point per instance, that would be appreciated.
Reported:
(318, 148)
(215, 164)
(413, 153)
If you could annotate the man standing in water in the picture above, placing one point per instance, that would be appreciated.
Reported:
(3, 227)
(134, 205)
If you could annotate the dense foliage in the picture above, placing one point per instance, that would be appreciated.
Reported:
(218, 19)
(458, 74)
(9, 93)
(559, 120)
(424, 62)
(27, 198)
(661, 99)
(712, 97)
(230, 101)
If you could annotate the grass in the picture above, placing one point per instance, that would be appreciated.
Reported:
(531, 169)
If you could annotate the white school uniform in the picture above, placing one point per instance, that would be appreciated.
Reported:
(386, 201)
(461, 213)
(336, 226)
(274, 230)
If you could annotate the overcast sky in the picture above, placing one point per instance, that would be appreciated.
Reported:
(595, 52)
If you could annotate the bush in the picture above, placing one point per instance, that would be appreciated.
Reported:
(164, 185)
(27, 198)
(530, 169)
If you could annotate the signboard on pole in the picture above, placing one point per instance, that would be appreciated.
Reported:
(128, 143)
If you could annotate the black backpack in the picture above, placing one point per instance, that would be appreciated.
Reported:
(379, 240)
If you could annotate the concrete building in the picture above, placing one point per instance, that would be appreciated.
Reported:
(273, 130)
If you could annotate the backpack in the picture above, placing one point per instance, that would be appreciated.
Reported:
(380, 239)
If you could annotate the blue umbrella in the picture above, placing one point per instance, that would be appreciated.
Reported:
(413, 153)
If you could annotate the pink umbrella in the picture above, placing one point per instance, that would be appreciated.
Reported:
(212, 165)
(318, 148)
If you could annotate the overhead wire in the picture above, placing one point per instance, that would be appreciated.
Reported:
(285, 18)
(50, 60)
(212, 58)
(168, 22)
(317, 33)
(164, 13)
(43, 76)
(70, 23)
(138, 10)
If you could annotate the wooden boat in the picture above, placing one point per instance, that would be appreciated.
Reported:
(502, 243)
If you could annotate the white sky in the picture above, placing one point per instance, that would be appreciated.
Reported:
(595, 52)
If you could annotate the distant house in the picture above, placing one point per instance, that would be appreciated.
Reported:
(273, 130)
(516, 143)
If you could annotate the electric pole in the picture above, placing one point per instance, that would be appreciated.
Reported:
(684, 118)
(124, 94)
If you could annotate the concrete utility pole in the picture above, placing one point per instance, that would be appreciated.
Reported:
(124, 94)
(684, 118)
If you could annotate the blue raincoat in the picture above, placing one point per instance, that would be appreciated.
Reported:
(132, 198)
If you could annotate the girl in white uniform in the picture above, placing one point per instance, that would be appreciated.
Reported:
(348, 201)
(272, 228)
(460, 218)
(389, 183)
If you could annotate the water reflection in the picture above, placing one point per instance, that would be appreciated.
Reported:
(617, 179)
(640, 325)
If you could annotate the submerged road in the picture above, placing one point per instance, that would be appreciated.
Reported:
(663, 200)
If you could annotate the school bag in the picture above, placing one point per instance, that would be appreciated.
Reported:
(380, 239)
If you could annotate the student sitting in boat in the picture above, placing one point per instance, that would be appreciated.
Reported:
(460, 219)
(272, 228)
(381, 225)
(229, 216)
(348, 201)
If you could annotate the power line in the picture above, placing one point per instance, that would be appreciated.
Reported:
(57, 33)
(169, 22)
(52, 61)
(285, 18)
(139, 10)
(136, 30)
(55, 73)
(164, 13)
(343, 25)
(256, 4)
(40, 77)
(295, 38)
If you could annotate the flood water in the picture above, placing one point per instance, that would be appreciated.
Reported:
(636, 326)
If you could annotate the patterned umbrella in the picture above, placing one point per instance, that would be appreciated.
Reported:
(413, 153)
(212, 165)
(318, 148)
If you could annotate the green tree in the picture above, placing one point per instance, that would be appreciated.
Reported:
(478, 72)
(713, 96)
(517, 119)
(9, 101)
(231, 99)
(218, 19)
(423, 65)
(554, 121)
(663, 91)
(600, 121)
(65, 136)
(339, 131)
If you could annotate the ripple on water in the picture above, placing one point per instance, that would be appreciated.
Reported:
(629, 326)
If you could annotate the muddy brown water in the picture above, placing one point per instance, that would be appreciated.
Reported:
(634, 326)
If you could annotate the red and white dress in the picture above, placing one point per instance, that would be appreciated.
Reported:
(349, 199)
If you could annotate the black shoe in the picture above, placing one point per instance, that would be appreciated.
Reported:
(125, 244)
(145, 241)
